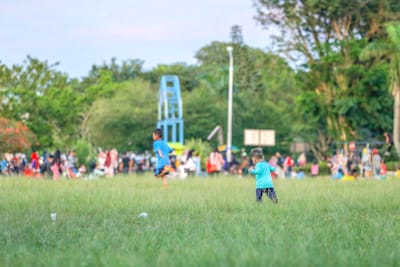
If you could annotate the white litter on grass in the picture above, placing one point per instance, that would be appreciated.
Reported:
(143, 215)
(53, 216)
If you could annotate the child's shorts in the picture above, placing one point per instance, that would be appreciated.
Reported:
(162, 171)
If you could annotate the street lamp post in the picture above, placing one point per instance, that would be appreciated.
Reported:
(229, 132)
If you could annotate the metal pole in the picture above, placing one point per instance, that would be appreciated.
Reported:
(229, 132)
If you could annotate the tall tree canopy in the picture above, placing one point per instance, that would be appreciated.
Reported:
(41, 96)
(263, 89)
(125, 120)
(389, 49)
(327, 36)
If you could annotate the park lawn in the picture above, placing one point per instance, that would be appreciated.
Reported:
(198, 222)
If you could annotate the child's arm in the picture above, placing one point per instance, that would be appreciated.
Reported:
(160, 153)
(272, 168)
(256, 170)
(169, 149)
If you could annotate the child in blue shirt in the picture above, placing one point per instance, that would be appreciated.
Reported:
(262, 171)
(162, 151)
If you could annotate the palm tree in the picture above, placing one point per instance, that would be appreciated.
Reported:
(390, 49)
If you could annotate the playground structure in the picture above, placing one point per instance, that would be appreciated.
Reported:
(170, 115)
(217, 130)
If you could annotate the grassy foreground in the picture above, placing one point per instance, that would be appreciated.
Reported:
(198, 222)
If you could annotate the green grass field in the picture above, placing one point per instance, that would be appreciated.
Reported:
(198, 222)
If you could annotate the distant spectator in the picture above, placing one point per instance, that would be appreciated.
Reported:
(173, 160)
(397, 173)
(216, 162)
(388, 142)
(366, 161)
(108, 165)
(352, 162)
(244, 165)
(280, 160)
(57, 160)
(302, 160)
(278, 165)
(234, 165)
(190, 164)
(54, 167)
(197, 162)
(81, 171)
(314, 169)
(383, 170)
(376, 161)
(288, 166)
(114, 160)
(16, 164)
(125, 163)
(72, 161)
(35, 160)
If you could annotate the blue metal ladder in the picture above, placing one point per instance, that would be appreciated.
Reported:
(170, 116)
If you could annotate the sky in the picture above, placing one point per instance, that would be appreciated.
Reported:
(80, 33)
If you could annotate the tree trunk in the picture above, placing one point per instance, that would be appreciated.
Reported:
(396, 120)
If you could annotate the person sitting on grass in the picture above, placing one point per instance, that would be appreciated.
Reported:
(262, 171)
(351, 175)
(315, 169)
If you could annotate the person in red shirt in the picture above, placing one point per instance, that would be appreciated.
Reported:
(35, 160)
(383, 170)
(288, 164)
(216, 162)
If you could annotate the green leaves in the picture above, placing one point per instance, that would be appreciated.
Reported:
(125, 120)
(340, 93)
(28, 92)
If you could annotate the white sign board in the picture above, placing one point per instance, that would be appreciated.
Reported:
(256, 137)
(298, 147)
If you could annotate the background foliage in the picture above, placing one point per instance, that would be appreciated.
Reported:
(323, 81)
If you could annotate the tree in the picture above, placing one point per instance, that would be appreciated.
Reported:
(213, 70)
(390, 49)
(59, 120)
(327, 37)
(203, 109)
(124, 120)
(127, 70)
(264, 88)
(273, 105)
(15, 136)
(245, 62)
(187, 75)
(100, 88)
(31, 92)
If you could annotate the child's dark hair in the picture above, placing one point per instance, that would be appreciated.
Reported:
(158, 132)
(257, 153)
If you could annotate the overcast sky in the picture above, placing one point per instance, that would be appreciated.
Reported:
(80, 33)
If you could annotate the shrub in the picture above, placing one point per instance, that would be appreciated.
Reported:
(83, 152)
(15, 136)
(201, 148)
(392, 165)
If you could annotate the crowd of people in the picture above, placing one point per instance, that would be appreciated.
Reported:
(65, 164)
(107, 163)
(346, 162)
(367, 163)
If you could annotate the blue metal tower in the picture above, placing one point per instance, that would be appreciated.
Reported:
(170, 117)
